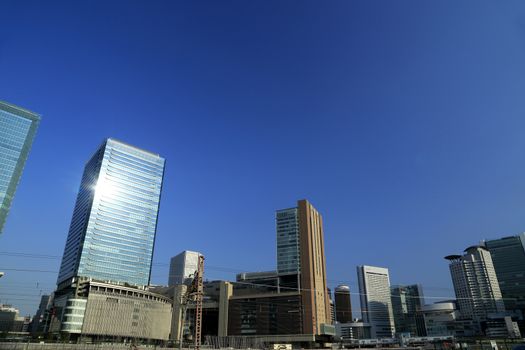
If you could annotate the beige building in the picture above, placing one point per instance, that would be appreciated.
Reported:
(90, 310)
(315, 299)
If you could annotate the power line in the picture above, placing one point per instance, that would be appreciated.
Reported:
(222, 269)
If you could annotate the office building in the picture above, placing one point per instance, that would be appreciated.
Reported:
(508, 258)
(287, 221)
(343, 304)
(11, 321)
(102, 290)
(376, 304)
(183, 267)
(92, 311)
(439, 319)
(17, 130)
(114, 222)
(352, 331)
(292, 303)
(406, 302)
(38, 323)
(316, 304)
(475, 284)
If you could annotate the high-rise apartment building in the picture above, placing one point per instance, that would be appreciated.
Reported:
(114, 222)
(343, 304)
(406, 303)
(376, 304)
(182, 267)
(17, 130)
(508, 257)
(475, 284)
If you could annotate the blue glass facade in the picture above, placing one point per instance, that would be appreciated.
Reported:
(17, 131)
(112, 231)
(287, 221)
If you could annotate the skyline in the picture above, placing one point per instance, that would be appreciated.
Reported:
(394, 168)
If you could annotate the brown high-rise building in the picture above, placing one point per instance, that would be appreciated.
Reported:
(292, 300)
(316, 302)
(343, 304)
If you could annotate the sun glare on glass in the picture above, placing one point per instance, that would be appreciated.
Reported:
(105, 188)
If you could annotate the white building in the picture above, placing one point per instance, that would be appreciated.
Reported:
(440, 318)
(475, 284)
(376, 304)
(182, 267)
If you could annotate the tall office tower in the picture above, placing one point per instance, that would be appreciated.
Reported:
(114, 222)
(300, 251)
(287, 221)
(17, 131)
(182, 266)
(343, 304)
(376, 304)
(406, 303)
(475, 284)
(508, 257)
(312, 269)
(293, 301)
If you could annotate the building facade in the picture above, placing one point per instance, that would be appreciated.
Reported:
(291, 304)
(475, 284)
(17, 130)
(114, 222)
(287, 224)
(343, 304)
(182, 267)
(92, 311)
(508, 258)
(10, 320)
(316, 302)
(38, 323)
(352, 331)
(439, 319)
(376, 304)
(406, 302)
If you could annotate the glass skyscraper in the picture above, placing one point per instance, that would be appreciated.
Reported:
(287, 221)
(508, 256)
(112, 231)
(17, 131)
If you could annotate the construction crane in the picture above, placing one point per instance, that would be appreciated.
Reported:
(194, 293)
(198, 302)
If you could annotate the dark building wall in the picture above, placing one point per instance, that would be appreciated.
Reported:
(406, 302)
(268, 315)
(508, 257)
(343, 306)
(8, 321)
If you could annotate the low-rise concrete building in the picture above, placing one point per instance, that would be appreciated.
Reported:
(440, 318)
(353, 330)
(11, 321)
(88, 310)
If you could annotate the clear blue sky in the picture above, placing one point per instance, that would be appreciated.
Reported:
(401, 121)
